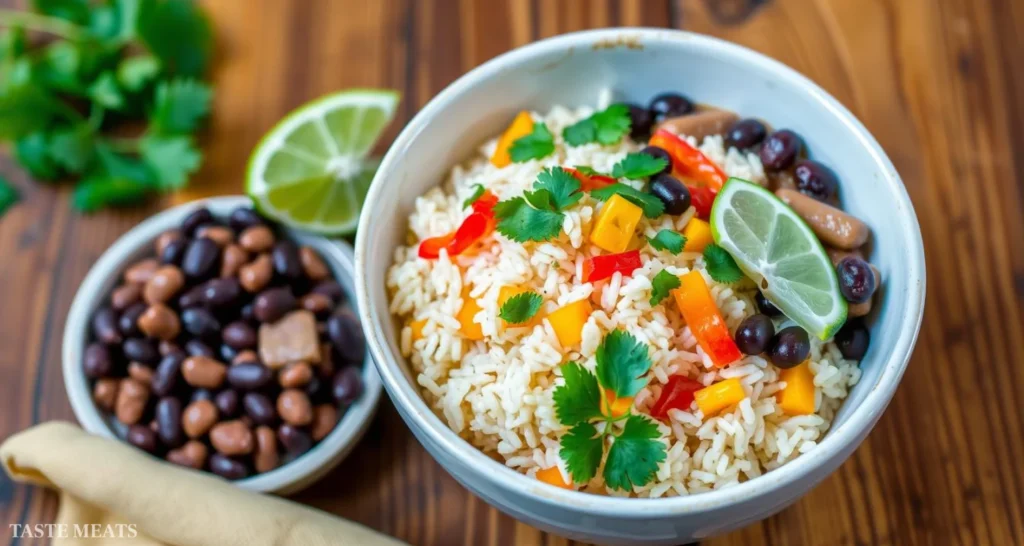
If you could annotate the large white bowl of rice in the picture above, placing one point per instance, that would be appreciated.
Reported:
(480, 390)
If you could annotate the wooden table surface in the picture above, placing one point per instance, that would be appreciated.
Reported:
(939, 82)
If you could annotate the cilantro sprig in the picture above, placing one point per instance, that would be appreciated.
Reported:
(636, 449)
(538, 214)
(536, 145)
(720, 264)
(605, 127)
(652, 206)
(637, 166)
(663, 284)
(130, 68)
(521, 308)
(669, 240)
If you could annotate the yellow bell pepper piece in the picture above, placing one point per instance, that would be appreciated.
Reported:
(719, 396)
(615, 224)
(554, 477)
(472, 330)
(568, 321)
(417, 328)
(506, 293)
(798, 396)
(521, 126)
(615, 407)
(698, 235)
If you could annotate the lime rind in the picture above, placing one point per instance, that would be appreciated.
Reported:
(311, 171)
(780, 252)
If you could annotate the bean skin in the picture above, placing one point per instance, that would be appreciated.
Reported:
(167, 373)
(201, 260)
(227, 467)
(259, 408)
(287, 263)
(97, 362)
(142, 437)
(168, 419)
(347, 336)
(104, 326)
(196, 219)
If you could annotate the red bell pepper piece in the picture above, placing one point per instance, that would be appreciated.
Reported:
(602, 267)
(485, 203)
(688, 162)
(475, 227)
(702, 198)
(677, 394)
(430, 248)
(589, 182)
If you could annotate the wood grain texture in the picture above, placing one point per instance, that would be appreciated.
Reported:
(939, 82)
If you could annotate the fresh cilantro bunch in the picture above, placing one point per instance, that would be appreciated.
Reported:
(636, 449)
(538, 214)
(110, 94)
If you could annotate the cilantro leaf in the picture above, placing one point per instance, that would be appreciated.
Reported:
(117, 165)
(115, 20)
(73, 148)
(663, 283)
(563, 188)
(76, 11)
(178, 33)
(582, 449)
(33, 153)
(180, 105)
(634, 456)
(106, 92)
(637, 166)
(622, 361)
(539, 143)
(521, 307)
(100, 191)
(605, 127)
(669, 240)
(520, 222)
(134, 73)
(29, 108)
(171, 158)
(653, 207)
(8, 195)
(478, 190)
(60, 65)
(720, 265)
(580, 398)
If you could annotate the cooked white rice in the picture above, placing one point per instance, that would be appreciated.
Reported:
(497, 393)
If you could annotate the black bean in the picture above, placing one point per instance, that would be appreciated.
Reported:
(244, 217)
(239, 335)
(201, 260)
(347, 385)
(168, 422)
(640, 120)
(194, 347)
(227, 403)
(673, 193)
(142, 437)
(167, 373)
(780, 150)
(853, 340)
(228, 468)
(129, 321)
(97, 362)
(295, 440)
(286, 260)
(815, 180)
(331, 289)
(856, 279)
(221, 292)
(766, 307)
(745, 134)
(174, 252)
(789, 347)
(195, 220)
(192, 297)
(319, 390)
(227, 352)
(259, 408)
(657, 152)
(273, 304)
(141, 350)
(200, 322)
(249, 376)
(104, 326)
(347, 336)
(755, 334)
(670, 105)
(201, 394)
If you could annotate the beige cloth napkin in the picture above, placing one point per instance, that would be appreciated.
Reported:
(108, 482)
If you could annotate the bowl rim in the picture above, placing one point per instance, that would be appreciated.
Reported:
(287, 478)
(404, 394)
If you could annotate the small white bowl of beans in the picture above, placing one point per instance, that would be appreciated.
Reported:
(214, 339)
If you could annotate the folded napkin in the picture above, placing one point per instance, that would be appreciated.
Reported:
(106, 482)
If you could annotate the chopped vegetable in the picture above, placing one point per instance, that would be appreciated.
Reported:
(719, 396)
(613, 407)
(669, 240)
(678, 394)
(473, 229)
(478, 190)
(702, 198)
(417, 328)
(521, 126)
(485, 202)
(605, 127)
(538, 214)
(702, 316)
(615, 224)
(468, 327)
(590, 179)
(536, 145)
(603, 267)
(698, 235)
(662, 285)
(688, 162)
(568, 321)
(520, 308)
(430, 248)
(553, 476)
(653, 207)
(720, 264)
(637, 166)
(798, 396)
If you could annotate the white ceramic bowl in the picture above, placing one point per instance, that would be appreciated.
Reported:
(138, 244)
(636, 64)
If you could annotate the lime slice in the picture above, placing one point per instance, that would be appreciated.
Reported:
(310, 171)
(776, 249)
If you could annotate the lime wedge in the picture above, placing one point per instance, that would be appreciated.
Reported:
(776, 249)
(310, 171)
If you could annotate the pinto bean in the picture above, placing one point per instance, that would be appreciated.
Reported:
(832, 226)
(700, 124)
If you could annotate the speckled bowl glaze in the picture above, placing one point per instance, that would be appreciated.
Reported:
(138, 244)
(636, 64)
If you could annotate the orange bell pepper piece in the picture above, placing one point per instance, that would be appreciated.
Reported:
(702, 316)
(521, 126)
(553, 476)
(689, 162)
